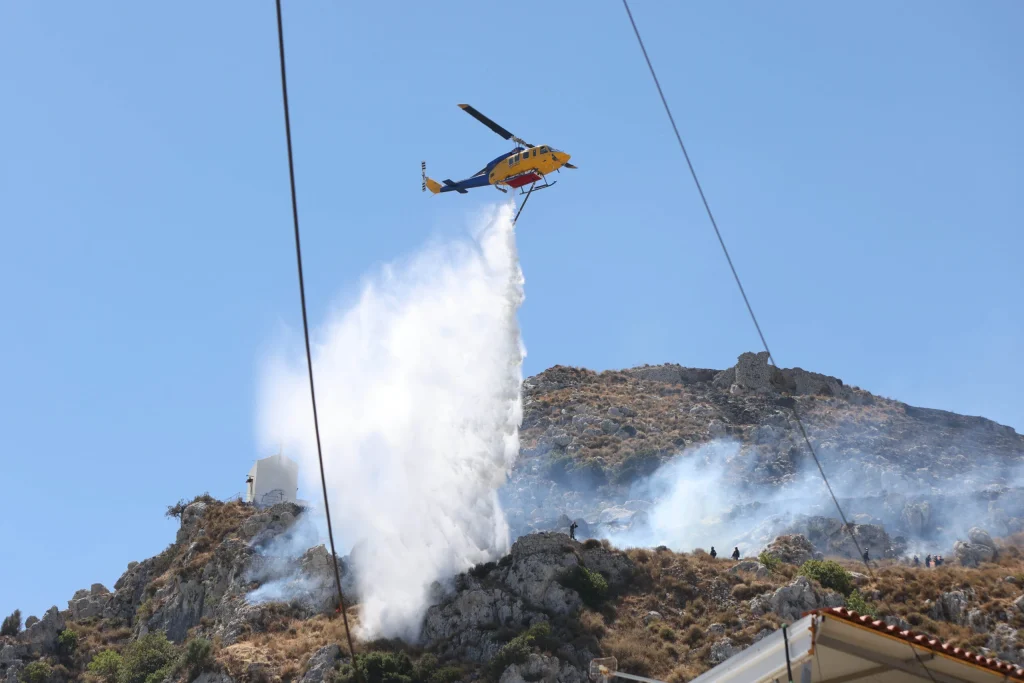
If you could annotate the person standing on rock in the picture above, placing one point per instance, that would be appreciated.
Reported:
(714, 553)
(736, 553)
(572, 530)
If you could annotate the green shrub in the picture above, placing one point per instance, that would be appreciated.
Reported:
(856, 602)
(591, 586)
(36, 672)
(518, 649)
(160, 674)
(379, 667)
(67, 644)
(12, 624)
(446, 674)
(829, 573)
(197, 658)
(770, 562)
(148, 656)
(106, 665)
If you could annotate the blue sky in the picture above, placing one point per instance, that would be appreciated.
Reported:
(864, 164)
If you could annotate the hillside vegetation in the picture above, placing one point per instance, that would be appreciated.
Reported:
(908, 477)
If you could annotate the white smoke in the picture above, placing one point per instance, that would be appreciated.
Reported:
(418, 392)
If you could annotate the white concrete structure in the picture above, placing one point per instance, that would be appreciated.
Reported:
(272, 480)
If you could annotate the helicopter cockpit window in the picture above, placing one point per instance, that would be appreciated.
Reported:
(543, 150)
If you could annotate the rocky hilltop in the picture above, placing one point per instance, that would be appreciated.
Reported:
(246, 595)
(591, 441)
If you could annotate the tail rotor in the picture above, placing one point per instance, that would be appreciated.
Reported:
(423, 172)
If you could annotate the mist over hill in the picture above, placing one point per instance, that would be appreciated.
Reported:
(692, 457)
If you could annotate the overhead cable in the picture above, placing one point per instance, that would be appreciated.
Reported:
(750, 309)
(305, 329)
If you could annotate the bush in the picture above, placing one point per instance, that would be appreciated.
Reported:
(379, 667)
(12, 624)
(518, 649)
(829, 573)
(446, 674)
(150, 656)
(428, 670)
(591, 586)
(67, 643)
(198, 657)
(106, 665)
(857, 603)
(770, 562)
(36, 672)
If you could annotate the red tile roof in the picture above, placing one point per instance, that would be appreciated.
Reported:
(1007, 669)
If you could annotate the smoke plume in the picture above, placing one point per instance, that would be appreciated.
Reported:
(418, 392)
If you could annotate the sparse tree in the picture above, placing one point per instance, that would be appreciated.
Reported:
(12, 624)
(106, 665)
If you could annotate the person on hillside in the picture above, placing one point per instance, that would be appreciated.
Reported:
(714, 553)
(572, 530)
(928, 560)
(939, 560)
(917, 561)
(867, 559)
(736, 553)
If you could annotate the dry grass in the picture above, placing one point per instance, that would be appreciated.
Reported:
(690, 592)
(95, 635)
(283, 650)
(693, 591)
(662, 424)
(908, 592)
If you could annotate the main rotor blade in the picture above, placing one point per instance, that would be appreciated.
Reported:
(487, 122)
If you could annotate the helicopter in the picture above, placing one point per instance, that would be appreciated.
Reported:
(524, 165)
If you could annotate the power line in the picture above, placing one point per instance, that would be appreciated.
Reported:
(305, 329)
(750, 309)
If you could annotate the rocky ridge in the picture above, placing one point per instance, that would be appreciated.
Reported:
(240, 580)
(540, 613)
(590, 439)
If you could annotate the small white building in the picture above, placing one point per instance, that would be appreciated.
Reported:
(272, 480)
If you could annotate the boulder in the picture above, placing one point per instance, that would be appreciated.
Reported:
(543, 668)
(790, 602)
(322, 661)
(722, 650)
(792, 549)
(952, 606)
(977, 549)
(191, 517)
(1004, 643)
(41, 638)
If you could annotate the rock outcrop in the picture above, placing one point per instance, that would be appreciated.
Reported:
(793, 549)
(536, 582)
(790, 602)
(977, 549)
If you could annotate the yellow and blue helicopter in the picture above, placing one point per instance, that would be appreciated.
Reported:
(524, 165)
